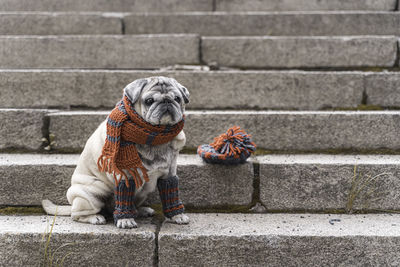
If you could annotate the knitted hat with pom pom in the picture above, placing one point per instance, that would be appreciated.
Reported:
(232, 147)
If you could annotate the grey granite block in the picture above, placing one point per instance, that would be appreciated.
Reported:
(98, 51)
(300, 130)
(267, 23)
(330, 182)
(27, 179)
(21, 128)
(208, 90)
(45, 23)
(271, 130)
(300, 52)
(281, 240)
(383, 89)
(299, 5)
(107, 6)
(22, 244)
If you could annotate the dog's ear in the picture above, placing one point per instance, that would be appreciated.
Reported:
(183, 90)
(134, 89)
(185, 93)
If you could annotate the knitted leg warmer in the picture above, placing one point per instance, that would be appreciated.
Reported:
(169, 194)
(124, 201)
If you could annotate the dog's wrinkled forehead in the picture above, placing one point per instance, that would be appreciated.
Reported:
(161, 83)
(157, 83)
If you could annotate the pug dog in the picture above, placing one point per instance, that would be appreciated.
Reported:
(158, 101)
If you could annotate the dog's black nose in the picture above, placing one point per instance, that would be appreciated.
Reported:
(167, 101)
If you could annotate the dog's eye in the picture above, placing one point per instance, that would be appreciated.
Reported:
(177, 99)
(149, 101)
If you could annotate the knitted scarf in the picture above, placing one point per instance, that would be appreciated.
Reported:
(125, 128)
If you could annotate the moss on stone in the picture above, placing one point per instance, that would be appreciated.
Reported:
(22, 211)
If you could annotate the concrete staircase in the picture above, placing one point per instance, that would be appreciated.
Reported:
(315, 82)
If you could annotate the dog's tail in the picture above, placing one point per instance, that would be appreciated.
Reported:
(54, 209)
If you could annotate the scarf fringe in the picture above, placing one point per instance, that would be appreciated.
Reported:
(105, 164)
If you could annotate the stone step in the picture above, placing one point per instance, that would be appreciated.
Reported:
(300, 52)
(98, 51)
(312, 182)
(304, 90)
(81, 244)
(318, 182)
(282, 240)
(109, 6)
(208, 89)
(46, 23)
(272, 130)
(203, 23)
(34, 177)
(210, 239)
(194, 5)
(293, 131)
(131, 51)
(266, 23)
(299, 5)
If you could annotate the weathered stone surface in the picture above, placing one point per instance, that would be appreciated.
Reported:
(98, 51)
(302, 130)
(300, 52)
(107, 6)
(21, 128)
(383, 89)
(272, 130)
(208, 90)
(281, 240)
(327, 182)
(21, 242)
(33, 178)
(58, 23)
(72, 129)
(300, 5)
(247, 24)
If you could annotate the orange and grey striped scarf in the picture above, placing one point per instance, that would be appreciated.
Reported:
(125, 128)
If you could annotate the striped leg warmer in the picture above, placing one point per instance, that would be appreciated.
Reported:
(124, 201)
(169, 194)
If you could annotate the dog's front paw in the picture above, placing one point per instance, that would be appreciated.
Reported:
(126, 223)
(180, 219)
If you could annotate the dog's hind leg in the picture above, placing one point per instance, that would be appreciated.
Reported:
(87, 199)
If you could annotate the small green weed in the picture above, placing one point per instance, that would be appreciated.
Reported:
(364, 187)
(51, 258)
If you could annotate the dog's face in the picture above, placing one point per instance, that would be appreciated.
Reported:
(158, 100)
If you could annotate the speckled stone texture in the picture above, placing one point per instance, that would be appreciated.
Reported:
(324, 182)
(245, 24)
(21, 128)
(108, 6)
(300, 130)
(282, 240)
(301, 5)
(300, 52)
(27, 179)
(271, 130)
(91, 245)
(211, 90)
(33, 178)
(58, 23)
(382, 89)
(98, 51)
